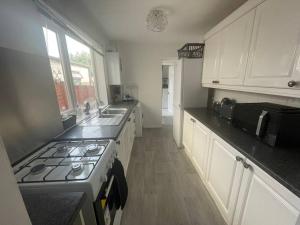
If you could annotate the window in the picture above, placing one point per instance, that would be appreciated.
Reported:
(62, 95)
(83, 76)
(77, 70)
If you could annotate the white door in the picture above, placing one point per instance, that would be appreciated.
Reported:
(200, 148)
(177, 108)
(211, 61)
(188, 130)
(263, 201)
(234, 50)
(171, 89)
(224, 176)
(274, 53)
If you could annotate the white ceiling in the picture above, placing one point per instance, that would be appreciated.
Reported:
(124, 20)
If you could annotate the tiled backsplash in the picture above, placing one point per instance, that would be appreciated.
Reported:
(254, 97)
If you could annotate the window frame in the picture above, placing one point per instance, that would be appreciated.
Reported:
(66, 65)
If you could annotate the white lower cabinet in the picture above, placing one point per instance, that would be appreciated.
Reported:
(263, 201)
(224, 176)
(200, 148)
(243, 193)
(125, 142)
(188, 126)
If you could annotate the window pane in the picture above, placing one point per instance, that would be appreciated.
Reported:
(57, 70)
(82, 73)
(51, 43)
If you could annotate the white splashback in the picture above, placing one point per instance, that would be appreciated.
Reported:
(254, 97)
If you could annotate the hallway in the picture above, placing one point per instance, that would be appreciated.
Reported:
(164, 188)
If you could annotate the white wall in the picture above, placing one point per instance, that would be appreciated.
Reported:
(253, 97)
(141, 65)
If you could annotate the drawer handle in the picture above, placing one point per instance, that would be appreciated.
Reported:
(129, 119)
(247, 166)
(118, 142)
(292, 83)
(215, 82)
(239, 159)
(192, 120)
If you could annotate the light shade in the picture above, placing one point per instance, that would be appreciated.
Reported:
(157, 20)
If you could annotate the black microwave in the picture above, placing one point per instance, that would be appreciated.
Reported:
(275, 125)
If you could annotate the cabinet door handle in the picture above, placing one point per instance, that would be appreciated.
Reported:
(192, 120)
(118, 142)
(129, 119)
(239, 159)
(215, 82)
(247, 166)
(292, 83)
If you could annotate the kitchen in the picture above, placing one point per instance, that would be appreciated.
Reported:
(82, 139)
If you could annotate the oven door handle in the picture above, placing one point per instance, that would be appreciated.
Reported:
(109, 186)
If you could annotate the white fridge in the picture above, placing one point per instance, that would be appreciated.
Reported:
(188, 92)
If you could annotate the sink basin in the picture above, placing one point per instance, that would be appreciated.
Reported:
(115, 111)
(104, 120)
(110, 117)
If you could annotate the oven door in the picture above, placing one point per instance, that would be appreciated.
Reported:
(105, 209)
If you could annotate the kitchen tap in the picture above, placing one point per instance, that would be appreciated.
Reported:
(101, 106)
(87, 108)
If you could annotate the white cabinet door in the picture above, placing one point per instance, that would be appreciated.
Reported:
(211, 61)
(274, 53)
(263, 201)
(121, 149)
(177, 126)
(138, 120)
(224, 176)
(113, 67)
(234, 50)
(200, 148)
(188, 127)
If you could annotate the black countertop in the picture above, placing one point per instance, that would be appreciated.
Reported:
(282, 164)
(53, 208)
(99, 132)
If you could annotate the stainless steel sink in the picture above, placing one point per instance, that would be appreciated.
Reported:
(109, 117)
(104, 120)
(115, 111)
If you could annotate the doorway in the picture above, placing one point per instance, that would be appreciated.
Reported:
(167, 93)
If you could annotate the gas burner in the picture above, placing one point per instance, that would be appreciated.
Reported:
(76, 167)
(92, 148)
(38, 169)
(63, 148)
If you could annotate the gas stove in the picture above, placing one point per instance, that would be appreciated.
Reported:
(68, 165)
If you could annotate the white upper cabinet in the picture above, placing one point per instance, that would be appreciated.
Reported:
(274, 53)
(234, 50)
(211, 61)
(263, 201)
(113, 68)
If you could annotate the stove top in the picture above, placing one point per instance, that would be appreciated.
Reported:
(62, 161)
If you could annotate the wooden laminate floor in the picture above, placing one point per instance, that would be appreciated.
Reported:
(164, 188)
